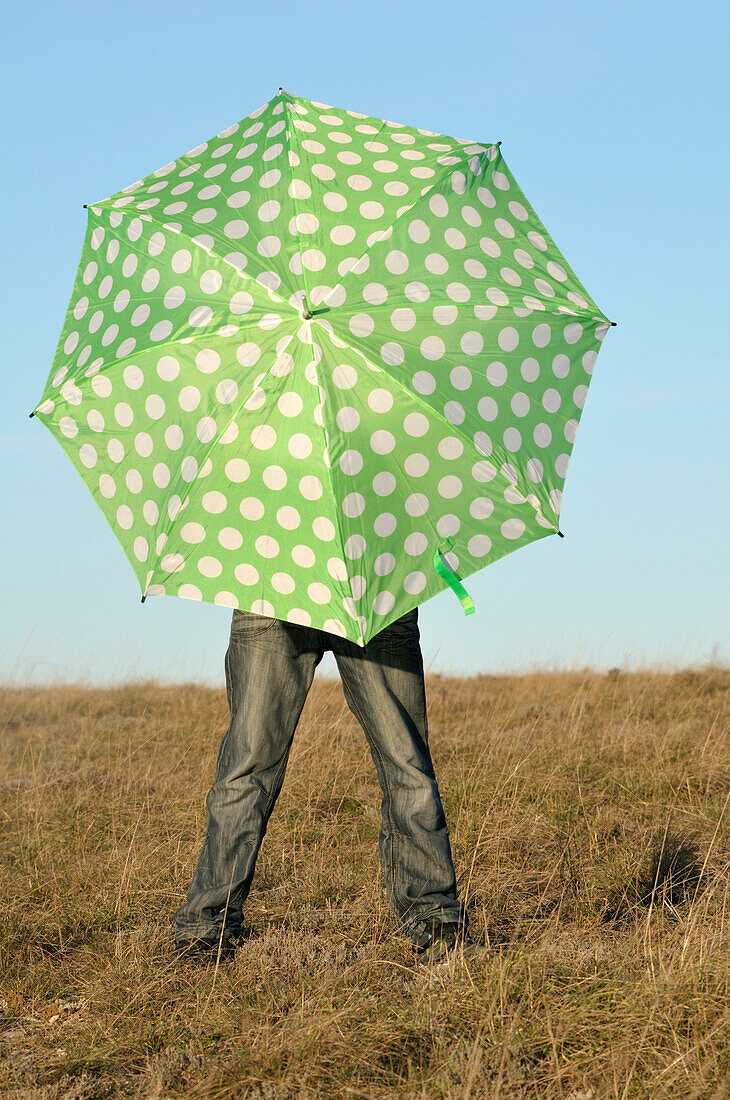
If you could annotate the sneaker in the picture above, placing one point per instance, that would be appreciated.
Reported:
(205, 948)
(443, 940)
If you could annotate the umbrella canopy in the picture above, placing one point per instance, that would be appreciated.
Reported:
(322, 367)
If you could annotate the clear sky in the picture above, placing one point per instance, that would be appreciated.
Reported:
(614, 120)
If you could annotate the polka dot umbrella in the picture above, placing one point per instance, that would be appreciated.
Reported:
(322, 367)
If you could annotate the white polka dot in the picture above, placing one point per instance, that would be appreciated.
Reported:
(561, 465)
(192, 533)
(534, 469)
(385, 524)
(351, 462)
(300, 445)
(530, 370)
(267, 546)
(479, 546)
(415, 544)
(304, 556)
(263, 437)
(313, 259)
(288, 517)
(414, 583)
(382, 442)
(436, 264)
(417, 292)
(300, 616)
(438, 205)
(268, 246)
(189, 398)
(214, 502)
(561, 366)
(512, 528)
(392, 354)
(344, 376)
(396, 262)
(347, 419)
(508, 338)
(512, 439)
(274, 477)
(418, 231)
(310, 487)
(432, 347)
(241, 302)
(181, 261)
(496, 374)
(449, 487)
(383, 603)
(226, 391)
(88, 455)
(324, 529)
(375, 294)
(541, 335)
(384, 483)
(384, 564)
(472, 343)
(251, 508)
(125, 518)
(361, 325)
(416, 424)
(416, 465)
(455, 238)
(445, 315)
(123, 414)
(416, 504)
(355, 546)
(551, 400)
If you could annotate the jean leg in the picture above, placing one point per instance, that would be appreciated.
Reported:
(270, 666)
(384, 687)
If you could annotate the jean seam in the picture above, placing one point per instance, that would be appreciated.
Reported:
(272, 797)
(393, 831)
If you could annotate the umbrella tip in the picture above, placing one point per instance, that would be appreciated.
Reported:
(143, 599)
(86, 206)
(561, 533)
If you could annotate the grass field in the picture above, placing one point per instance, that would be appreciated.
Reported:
(590, 828)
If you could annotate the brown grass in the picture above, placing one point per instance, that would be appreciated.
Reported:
(589, 824)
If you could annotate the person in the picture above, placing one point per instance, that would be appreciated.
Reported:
(269, 668)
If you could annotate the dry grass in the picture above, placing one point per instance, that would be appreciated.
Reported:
(589, 824)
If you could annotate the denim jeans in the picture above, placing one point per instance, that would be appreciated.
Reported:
(270, 666)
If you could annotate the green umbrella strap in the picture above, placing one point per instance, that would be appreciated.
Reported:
(452, 578)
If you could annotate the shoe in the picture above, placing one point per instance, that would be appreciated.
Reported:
(205, 948)
(443, 940)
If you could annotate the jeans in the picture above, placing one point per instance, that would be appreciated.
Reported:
(270, 666)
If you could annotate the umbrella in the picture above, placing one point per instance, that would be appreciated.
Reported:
(322, 367)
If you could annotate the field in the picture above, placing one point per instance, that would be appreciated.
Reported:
(590, 828)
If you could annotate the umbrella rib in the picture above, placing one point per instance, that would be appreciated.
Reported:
(288, 134)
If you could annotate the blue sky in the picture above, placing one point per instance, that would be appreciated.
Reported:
(614, 120)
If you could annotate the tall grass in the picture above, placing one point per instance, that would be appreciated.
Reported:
(589, 823)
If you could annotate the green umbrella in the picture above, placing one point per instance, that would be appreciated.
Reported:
(322, 367)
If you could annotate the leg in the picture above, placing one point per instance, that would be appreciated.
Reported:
(270, 666)
(384, 687)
